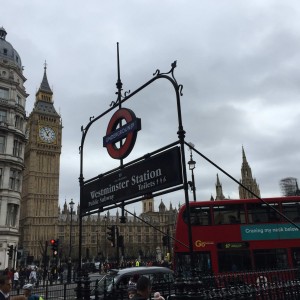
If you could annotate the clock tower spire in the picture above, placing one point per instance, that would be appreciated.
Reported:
(40, 193)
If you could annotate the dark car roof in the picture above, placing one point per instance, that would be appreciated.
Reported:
(140, 270)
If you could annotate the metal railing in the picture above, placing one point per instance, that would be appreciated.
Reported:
(259, 285)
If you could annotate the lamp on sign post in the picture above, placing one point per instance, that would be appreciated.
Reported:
(71, 208)
(105, 241)
(192, 166)
(70, 246)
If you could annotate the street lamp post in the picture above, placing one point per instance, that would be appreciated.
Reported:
(71, 207)
(192, 166)
(70, 246)
(105, 241)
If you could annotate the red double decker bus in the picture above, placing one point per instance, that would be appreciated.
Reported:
(239, 235)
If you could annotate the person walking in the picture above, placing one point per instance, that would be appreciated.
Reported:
(5, 287)
(16, 279)
(143, 289)
(33, 276)
(27, 289)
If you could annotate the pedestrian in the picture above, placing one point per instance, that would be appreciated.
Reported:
(27, 289)
(5, 288)
(158, 296)
(131, 291)
(33, 276)
(143, 289)
(16, 279)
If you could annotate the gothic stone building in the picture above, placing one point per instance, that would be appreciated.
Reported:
(40, 193)
(247, 180)
(140, 239)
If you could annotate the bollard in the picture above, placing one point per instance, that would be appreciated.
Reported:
(97, 290)
(78, 289)
(86, 289)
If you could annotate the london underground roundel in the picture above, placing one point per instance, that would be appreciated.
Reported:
(117, 132)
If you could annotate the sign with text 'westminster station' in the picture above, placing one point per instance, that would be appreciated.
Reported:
(153, 174)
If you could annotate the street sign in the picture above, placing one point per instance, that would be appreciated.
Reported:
(152, 174)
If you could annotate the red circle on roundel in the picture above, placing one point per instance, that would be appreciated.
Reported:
(122, 152)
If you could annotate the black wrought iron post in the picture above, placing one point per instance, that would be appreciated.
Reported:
(69, 276)
(192, 166)
(71, 211)
(105, 240)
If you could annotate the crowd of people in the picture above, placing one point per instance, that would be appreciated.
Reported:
(21, 276)
(6, 286)
(106, 266)
(27, 278)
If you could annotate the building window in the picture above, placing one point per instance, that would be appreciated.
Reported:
(5, 51)
(1, 170)
(3, 115)
(14, 180)
(2, 144)
(3, 93)
(19, 100)
(18, 122)
(11, 215)
(17, 150)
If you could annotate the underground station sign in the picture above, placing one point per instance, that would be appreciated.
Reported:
(152, 174)
(127, 132)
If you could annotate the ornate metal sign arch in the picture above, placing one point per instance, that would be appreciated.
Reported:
(114, 137)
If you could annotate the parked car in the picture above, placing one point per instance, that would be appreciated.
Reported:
(114, 285)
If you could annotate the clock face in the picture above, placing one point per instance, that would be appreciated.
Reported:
(47, 134)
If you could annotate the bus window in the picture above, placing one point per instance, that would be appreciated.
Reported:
(291, 210)
(229, 214)
(262, 213)
(202, 262)
(296, 257)
(199, 216)
(234, 260)
(270, 258)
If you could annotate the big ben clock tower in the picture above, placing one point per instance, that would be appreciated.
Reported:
(39, 203)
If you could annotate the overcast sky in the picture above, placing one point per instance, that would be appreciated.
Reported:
(238, 62)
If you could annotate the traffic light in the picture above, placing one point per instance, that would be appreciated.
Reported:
(111, 235)
(54, 247)
(120, 241)
(10, 251)
(165, 240)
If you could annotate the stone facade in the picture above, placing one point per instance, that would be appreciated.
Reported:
(246, 179)
(12, 143)
(39, 213)
(139, 237)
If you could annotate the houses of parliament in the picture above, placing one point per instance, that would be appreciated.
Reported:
(30, 149)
